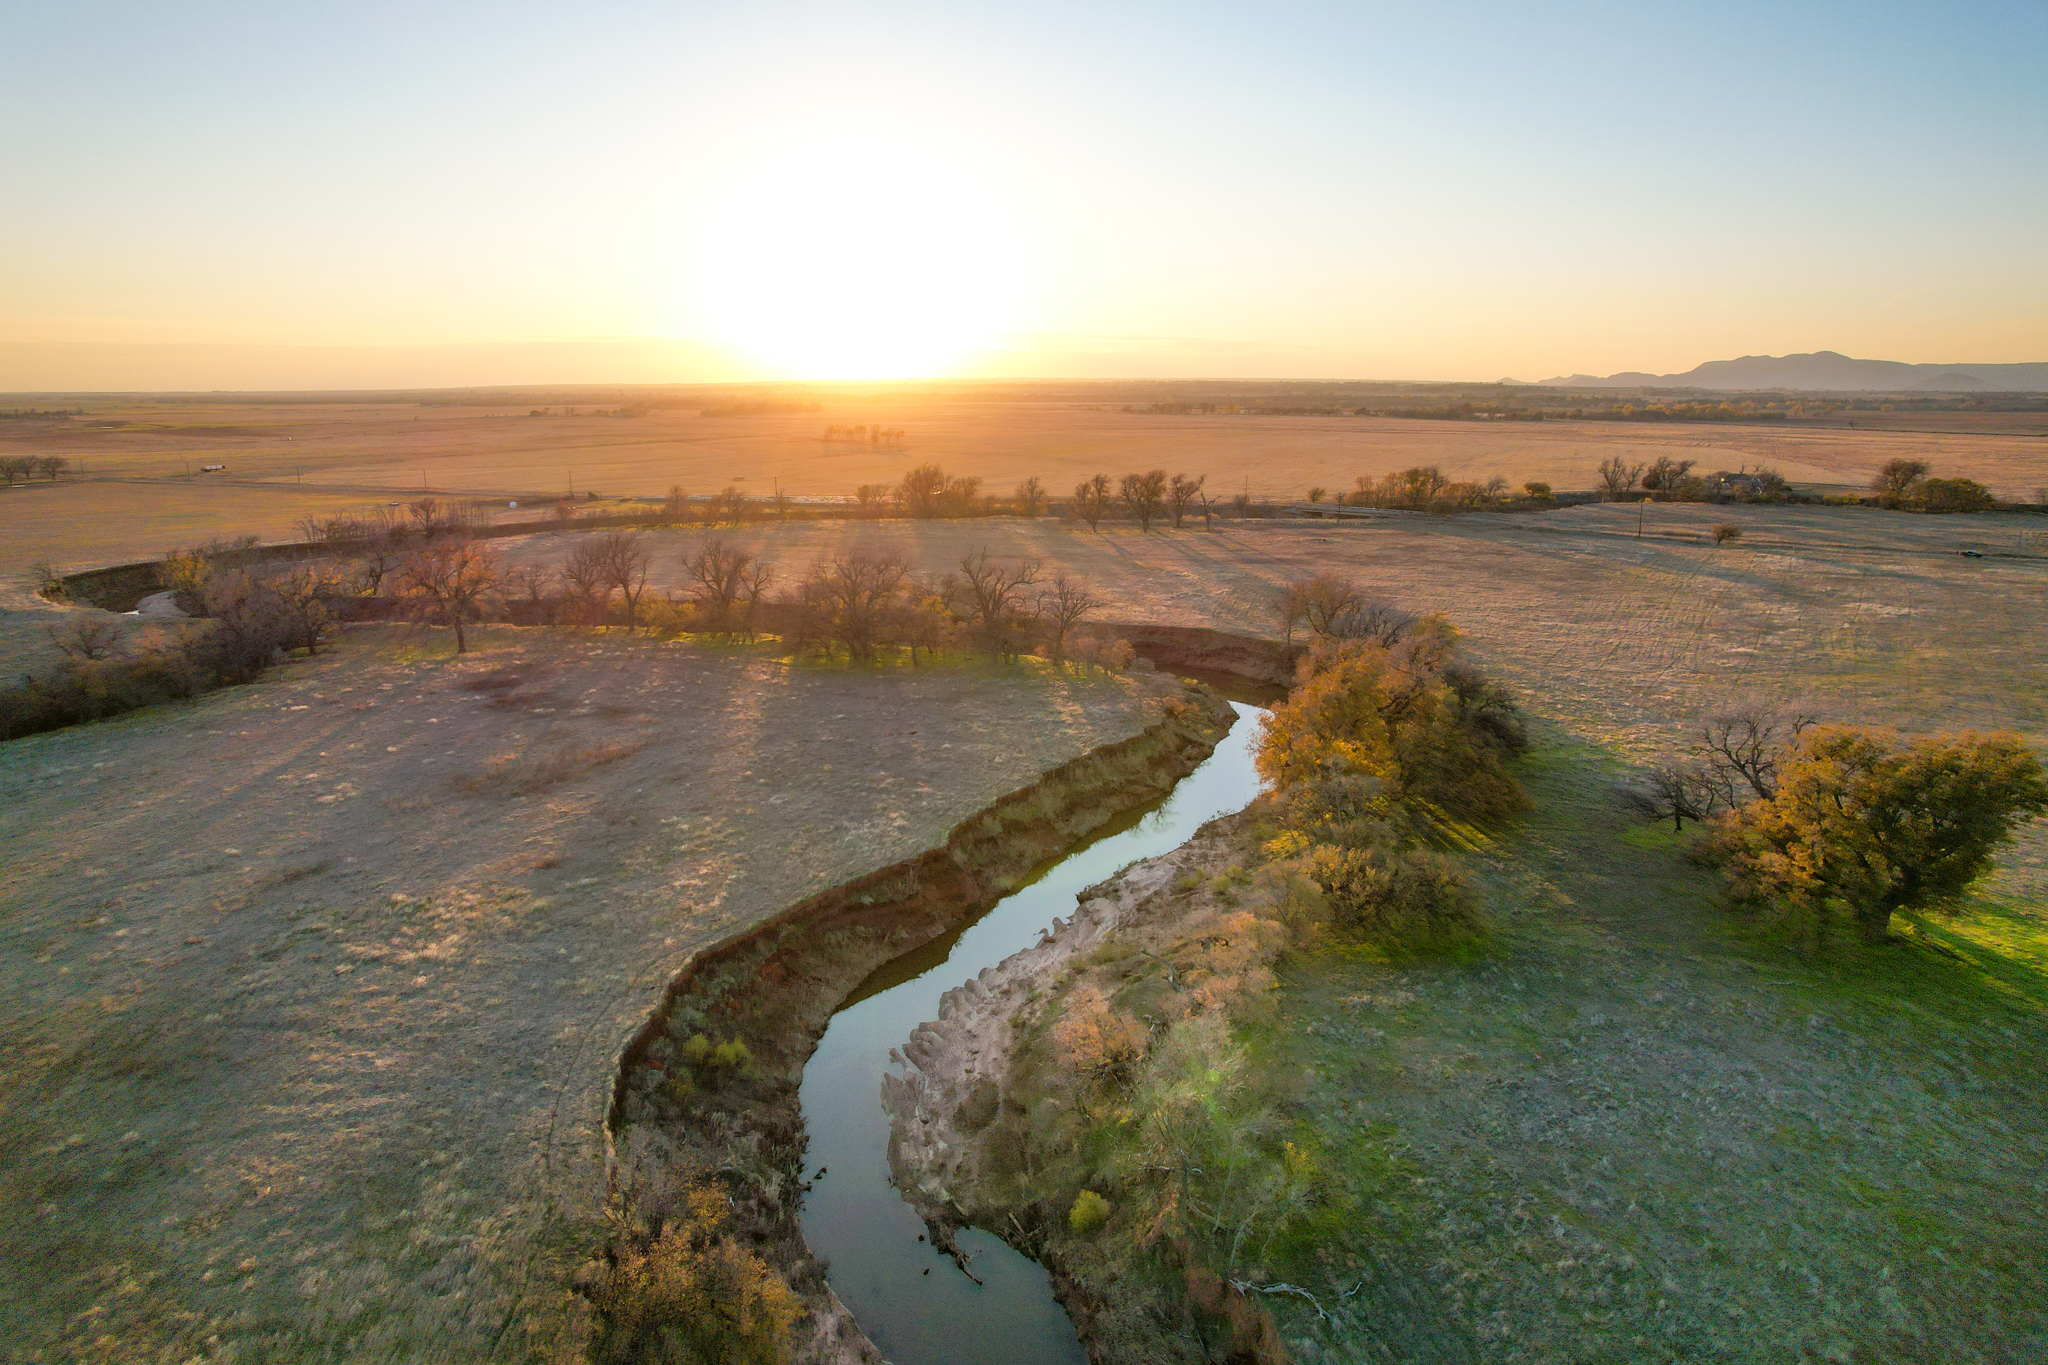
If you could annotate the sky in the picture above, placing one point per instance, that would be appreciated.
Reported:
(214, 195)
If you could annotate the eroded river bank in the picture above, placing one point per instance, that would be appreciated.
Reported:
(680, 1117)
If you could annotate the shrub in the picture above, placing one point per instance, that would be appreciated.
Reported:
(1726, 532)
(696, 1295)
(1395, 895)
(1431, 729)
(1090, 1212)
(1952, 495)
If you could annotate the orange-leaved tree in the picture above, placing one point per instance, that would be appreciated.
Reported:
(1862, 826)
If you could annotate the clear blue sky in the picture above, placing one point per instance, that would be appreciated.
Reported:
(1457, 191)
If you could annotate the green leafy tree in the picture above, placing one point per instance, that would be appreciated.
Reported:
(1863, 827)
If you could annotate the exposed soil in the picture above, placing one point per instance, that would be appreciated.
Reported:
(310, 989)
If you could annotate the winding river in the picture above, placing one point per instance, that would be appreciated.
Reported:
(910, 1299)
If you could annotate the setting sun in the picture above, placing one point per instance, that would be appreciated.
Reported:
(846, 263)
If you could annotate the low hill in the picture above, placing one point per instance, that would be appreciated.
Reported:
(1828, 371)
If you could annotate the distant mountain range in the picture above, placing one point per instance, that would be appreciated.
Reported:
(1827, 371)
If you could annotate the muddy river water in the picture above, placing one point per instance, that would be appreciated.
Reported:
(910, 1299)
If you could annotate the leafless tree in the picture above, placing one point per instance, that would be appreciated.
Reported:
(848, 599)
(307, 598)
(1208, 504)
(1725, 532)
(1062, 606)
(89, 636)
(871, 498)
(1241, 503)
(1091, 500)
(1143, 496)
(1618, 476)
(1745, 744)
(449, 578)
(1677, 792)
(52, 465)
(1181, 494)
(1031, 497)
(993, 591)
(427, 515)
(587, 578)
(531, 583)
(1893, 482)
(1334, 608)
(719, 576)
(677, 504)
(623, 557)
(923, 491)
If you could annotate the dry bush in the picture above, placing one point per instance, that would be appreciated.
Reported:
(1407, 896)
(695, 1296)
(1094, 1043)
(1411, 715)
(1725, 532)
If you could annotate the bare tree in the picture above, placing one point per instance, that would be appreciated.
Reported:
(871, 498)
(449, 579)
(587, 577)
(376, 556)
(52, 465)
(1143, 496)
(847, 600)
(1746, 743)
(1725, 532)
(531, 583)
(1091, 500)
(1617, 477)
(721, 575)
(1241, 503)
(923, 491)
(1335, 608)
(427, 515)
(1062, 606)
(89, 636)
(677, 504)
(1676, 792)
(623, 557)
(1896, 479)
(1181, 494)
(994, 590)
(307, 594)
(1031, 497)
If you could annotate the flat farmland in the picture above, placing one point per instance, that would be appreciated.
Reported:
(315, 456)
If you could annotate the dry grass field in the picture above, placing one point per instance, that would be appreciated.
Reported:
(311, 983)
(309, 990)
(287, 458)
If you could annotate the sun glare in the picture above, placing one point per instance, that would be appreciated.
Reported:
(856, 264)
